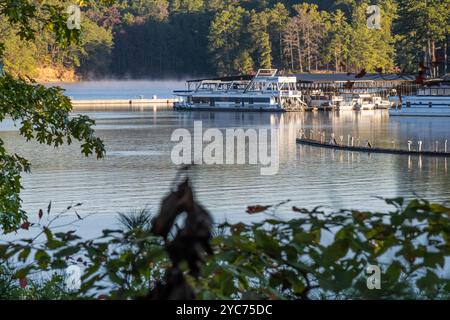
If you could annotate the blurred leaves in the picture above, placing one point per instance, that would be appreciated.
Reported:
(316, 255)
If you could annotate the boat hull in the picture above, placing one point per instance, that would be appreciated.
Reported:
(424, 106)
(411, 112)
(218, 108)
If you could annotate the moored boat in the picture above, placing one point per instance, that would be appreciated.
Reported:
(266, 91)
(433, 99)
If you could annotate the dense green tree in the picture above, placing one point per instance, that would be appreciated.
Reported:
(243, 63)
(278, 18)
(186, 6)
(94, 51)
(156, 38)
(42, 114)
(225, 38)
(423, 27)
(337, 48)
(260, 39)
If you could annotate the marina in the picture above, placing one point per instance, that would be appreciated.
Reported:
(267, 91)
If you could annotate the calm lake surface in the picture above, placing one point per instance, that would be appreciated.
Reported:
(137, 170)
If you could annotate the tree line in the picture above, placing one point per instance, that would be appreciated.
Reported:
(167, 38)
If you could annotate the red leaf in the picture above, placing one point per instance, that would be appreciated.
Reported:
(257, 209)
(25, 225)
(23, 283)
(40, 214)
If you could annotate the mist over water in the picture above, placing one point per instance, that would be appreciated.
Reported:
(121, 89)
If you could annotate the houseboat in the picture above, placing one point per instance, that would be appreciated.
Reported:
(433, 99)
(266, 91)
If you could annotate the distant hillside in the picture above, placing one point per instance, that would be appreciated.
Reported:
(174, 38)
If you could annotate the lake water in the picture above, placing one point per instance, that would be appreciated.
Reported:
(137, 170)
(131, 89)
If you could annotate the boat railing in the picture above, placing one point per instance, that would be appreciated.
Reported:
(434, 92)
(266, 73)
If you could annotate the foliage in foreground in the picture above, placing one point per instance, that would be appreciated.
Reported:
(52, 288)
(316, 255)
(42, 114)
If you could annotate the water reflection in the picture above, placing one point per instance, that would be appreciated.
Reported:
(137, 170)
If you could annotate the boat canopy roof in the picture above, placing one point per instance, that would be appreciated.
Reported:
(225, 79)
(262, 76)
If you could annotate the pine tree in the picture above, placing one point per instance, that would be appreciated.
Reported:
(422, 26)
(260, 39)
(225, 38)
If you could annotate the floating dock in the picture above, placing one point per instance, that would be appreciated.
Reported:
(122, 103)
(328, 145)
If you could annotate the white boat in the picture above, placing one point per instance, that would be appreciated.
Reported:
(317, 100)
(381, 103)
(263, 92)
(364, 102)
(358, 101)
(433, 99)
(348, 102)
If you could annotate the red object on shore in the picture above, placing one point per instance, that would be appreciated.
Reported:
(23, 283)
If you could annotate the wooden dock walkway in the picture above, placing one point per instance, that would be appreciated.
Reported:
(315, 143)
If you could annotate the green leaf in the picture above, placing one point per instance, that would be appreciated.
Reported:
(66, 252)
(394, 271)
(42, 258)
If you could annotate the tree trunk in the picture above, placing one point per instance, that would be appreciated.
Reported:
(292, 55)
(447, 38)
(299, 51)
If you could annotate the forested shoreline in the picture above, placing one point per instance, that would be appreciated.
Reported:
(180, 38)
